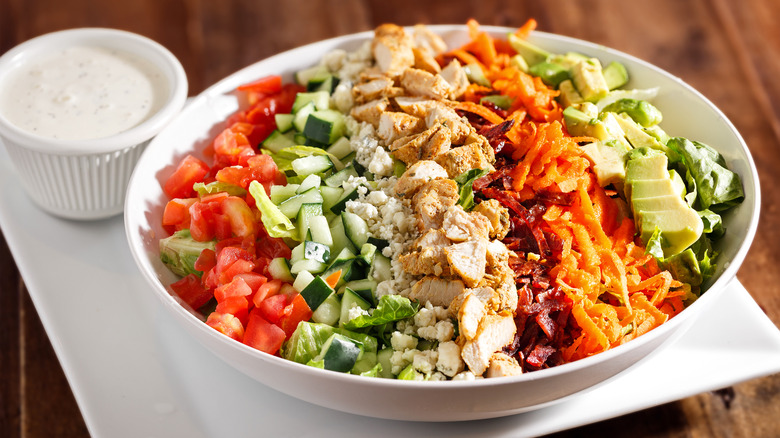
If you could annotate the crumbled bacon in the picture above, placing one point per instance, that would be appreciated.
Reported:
(495, 134)
(543, 310)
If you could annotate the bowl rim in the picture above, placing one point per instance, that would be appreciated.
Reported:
(139, 45)
(717, 287)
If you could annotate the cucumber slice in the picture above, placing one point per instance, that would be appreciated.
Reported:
(329, 311)
(276, 141)
(381, 270)
(323, 82)
(380, 244)
(366, 289)
(340, 148)
(320, 231)
(365, 363)
(325, 126)
(344, 255)
(349, 300)
(281, 193)
(297, 253)
(330, 196)
(305, 214)
(355, 228)
(338, 178)
(299, 122)
(383, 358)
(311, 164)
(280, 270)
(341, 204)
(339, 353)
(302, 77)
(316, 251)
(284, 122)
(305, 265)
(320, 99)
(309, 182)
(302, 280)
(316, 292)
(340, 239)
(292, 205)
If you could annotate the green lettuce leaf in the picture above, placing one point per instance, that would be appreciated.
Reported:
(275, 222)
(715, 186)
(713, 223)
(390, 308)
(180, 251)
(466, 186)
(217, 187)
(286, 156)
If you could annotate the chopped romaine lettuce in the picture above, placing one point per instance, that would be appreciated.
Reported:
(714, 186)
(180, 251)
(465, 185)
(275, 222)
(390, 308)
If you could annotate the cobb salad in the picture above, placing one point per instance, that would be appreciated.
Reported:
(415, 211)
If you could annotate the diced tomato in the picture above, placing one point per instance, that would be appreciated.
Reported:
(191, 291)
(267, 85)
(228, 255)
(239, 215)
(263, 335)
(177, 212)
(239, 267)
(202, 221)
(227, 324)
(236, 288)
(246, 244)
(237, 306)
(267, 290)
(229, 147)
(273, 247)
(190, 171)
(299, 311)
(206, 260)
(273, 308)
(254, 280)
(260, 168)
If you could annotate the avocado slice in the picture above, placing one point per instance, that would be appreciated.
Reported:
(680, 228)
(569, 95)
(608, 163)
(657, 204)
(640, 111)
(531, 53)
(615, 75)
(589, 80)
(639, 138)
(649, 167)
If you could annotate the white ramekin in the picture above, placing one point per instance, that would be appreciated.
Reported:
(87, 179)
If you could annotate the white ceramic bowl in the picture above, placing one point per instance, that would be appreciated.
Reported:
(87, 179)
(686, 113)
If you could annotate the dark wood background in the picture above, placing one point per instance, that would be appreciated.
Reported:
(728, 50)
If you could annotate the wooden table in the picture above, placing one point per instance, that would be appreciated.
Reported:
(730, 51)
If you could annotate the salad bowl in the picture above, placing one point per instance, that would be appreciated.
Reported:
(686, 113)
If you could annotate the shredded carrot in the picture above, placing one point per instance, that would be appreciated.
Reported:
(525, 30)
(618, 291)
(481, 111)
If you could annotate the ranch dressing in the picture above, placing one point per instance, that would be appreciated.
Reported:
(82, 93)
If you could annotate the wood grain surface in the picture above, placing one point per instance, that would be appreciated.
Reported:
(729, 51)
